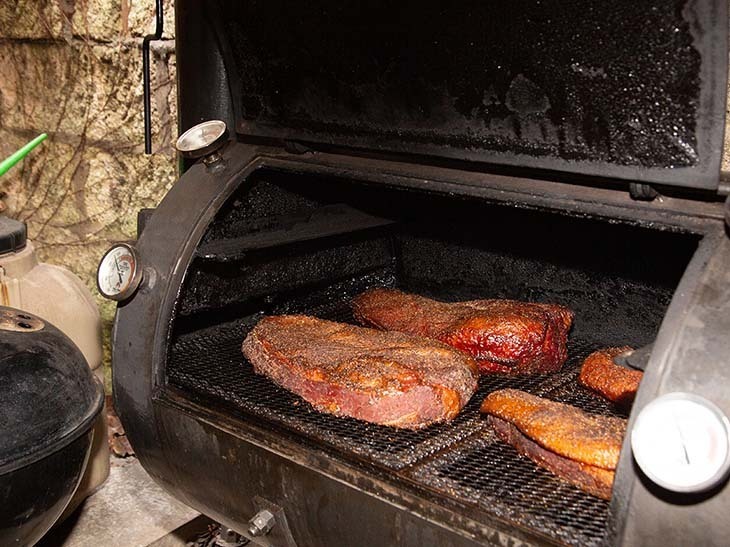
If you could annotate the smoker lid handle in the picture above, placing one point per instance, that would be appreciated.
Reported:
(146, 76)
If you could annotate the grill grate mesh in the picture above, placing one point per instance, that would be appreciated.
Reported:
(494, 476)
(461, 459)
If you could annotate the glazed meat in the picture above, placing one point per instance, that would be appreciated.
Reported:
(579, 447)
(616, 383)
(504, 336)
(387, 378)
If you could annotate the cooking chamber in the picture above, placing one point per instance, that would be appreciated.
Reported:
(292, 243)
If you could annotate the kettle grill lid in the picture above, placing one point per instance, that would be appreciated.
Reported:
(48, 394)
(624, 89)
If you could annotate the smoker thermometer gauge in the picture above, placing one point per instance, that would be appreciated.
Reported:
(682, 442)
(119, 272)
(203, 139)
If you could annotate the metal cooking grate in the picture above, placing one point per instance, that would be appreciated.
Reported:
(460, 459)
(492, 475)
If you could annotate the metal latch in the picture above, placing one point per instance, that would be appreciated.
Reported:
(159, 19)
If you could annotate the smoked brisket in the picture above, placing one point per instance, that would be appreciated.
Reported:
(616, 383)
(579, 447)
(388, 378)
(504, 336)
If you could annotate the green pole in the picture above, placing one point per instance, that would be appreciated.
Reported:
(15, 157)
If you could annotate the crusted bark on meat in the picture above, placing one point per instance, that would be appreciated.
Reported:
(589, 478)
(387, 378)
(504, 336)
(578, 447)
(616, 383)
(563, 429)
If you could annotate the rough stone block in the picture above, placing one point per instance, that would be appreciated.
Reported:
(99, 20)
(35, 19)
(78, 89)
(141, 19)
(73, 68)
(726, 145)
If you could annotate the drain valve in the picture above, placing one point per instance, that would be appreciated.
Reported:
(262, 523)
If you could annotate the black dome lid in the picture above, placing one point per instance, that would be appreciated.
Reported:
(13, 235)
(48, 395)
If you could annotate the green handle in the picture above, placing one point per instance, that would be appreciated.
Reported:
(15, 157)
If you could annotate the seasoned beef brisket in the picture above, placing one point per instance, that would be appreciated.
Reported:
(579, 447)
(589, 478)
(388, 378)
(504, 336)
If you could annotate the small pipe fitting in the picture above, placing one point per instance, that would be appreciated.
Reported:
(262, 523)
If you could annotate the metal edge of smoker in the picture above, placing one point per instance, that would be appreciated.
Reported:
(692, 342)
(157, 432)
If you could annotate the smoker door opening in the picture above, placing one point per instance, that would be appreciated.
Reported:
(301, 244)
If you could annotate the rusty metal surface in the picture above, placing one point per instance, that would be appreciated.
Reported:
(600, 197)
(19, 321)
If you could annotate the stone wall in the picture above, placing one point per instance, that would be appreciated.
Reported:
(73, 69)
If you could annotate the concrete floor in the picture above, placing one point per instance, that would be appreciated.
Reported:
(128, 510)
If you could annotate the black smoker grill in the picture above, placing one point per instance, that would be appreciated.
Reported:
(478, 150)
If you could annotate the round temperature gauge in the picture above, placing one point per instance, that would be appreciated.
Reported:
(119, 273)
(682, 442)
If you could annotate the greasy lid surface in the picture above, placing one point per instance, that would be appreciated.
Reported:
(48, 395)
(623, 89)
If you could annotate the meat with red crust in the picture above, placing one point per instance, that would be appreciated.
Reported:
(579, 447)
(504, 336)
(589, 478)
(388, 378)
(616, 383)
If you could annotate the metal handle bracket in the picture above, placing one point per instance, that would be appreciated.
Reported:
(146, 76)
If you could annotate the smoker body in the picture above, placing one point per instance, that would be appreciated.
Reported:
(165, 422)
(310, 205)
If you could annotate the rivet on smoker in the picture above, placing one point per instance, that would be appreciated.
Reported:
(205, 141)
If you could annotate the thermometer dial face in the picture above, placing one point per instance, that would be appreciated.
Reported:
(119, 274)
(682, 442)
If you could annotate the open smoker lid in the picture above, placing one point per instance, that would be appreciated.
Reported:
(623, 89)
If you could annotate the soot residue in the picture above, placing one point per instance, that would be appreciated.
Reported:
(574, 80)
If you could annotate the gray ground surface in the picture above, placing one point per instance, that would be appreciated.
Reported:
(128, 510)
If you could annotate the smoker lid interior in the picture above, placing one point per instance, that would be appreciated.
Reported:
(624, 89)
